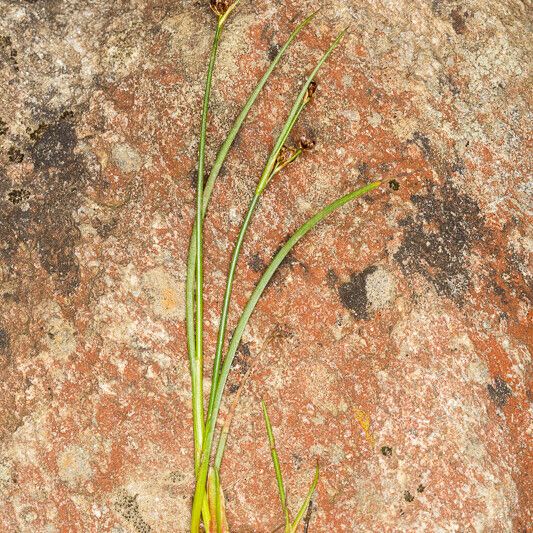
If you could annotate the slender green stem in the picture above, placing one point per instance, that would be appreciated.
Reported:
(197, 359)
(307, 501)
(277, 467)
(291, 159)
(224, 149)
(233, 265)
(237, 335)
(218, 501)
(196, 362)
(227, 298)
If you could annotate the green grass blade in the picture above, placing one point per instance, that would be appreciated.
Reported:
(220, 506)
(277, 467)
(241, 325)
(297, 109)
(194, 262)
(227, 298)
(307, 501)
(294, 113)
(211, 498)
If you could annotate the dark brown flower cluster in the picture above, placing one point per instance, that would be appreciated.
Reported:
(221, 6)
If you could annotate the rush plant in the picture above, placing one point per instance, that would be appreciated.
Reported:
(208, 502)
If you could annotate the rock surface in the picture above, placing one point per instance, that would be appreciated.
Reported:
(393, 346)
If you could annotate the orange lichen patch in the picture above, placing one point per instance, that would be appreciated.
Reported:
(170, 299)
(363, 418)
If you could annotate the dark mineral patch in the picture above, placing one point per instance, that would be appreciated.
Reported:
(386, 451)
(54, 146)
(128, 507)
(273, 51)
(47, 225)
(256, 263)
(458, 21)
(438, 239)
(241, 362)
(499, 392)
(17, 196)
(408, 497)
(15, 155)
(4, 347)
(353, 293)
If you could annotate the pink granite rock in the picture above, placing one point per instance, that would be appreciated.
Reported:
(409, 309)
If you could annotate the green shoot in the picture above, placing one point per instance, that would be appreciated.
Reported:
(269, 171)
(208, 502)
(217, 510)
(294, 114)
(229, 418)
(277, 468)
(303, 98)
(290, 527)
(306, 502)
(196, 354)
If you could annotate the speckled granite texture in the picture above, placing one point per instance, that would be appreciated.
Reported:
(408, 308)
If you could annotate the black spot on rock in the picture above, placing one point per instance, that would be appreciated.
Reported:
(17, 196)
(256, 263)
(458, 20)
(273, 51)
(128, 507)
(233, 388)
(5, 354)
(332, 279)
(420, 488)
(407, 496)
(3, 127)
(499, 392)
(438, 239)
(244, 348)
(105, 229)
(422, 141)
(353, 293)
(241, 361)
(8, 54)
(386, 451)
(15, 155)
(54, 146)
(4, 340)
(436, 6)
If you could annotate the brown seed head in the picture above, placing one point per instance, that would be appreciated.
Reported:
(221, 6)
(311, 89)
(306, 143)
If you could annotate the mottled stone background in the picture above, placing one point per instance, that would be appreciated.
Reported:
(409, 307)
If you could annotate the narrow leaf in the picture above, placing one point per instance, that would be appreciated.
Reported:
(305, 504)
(277, 467)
